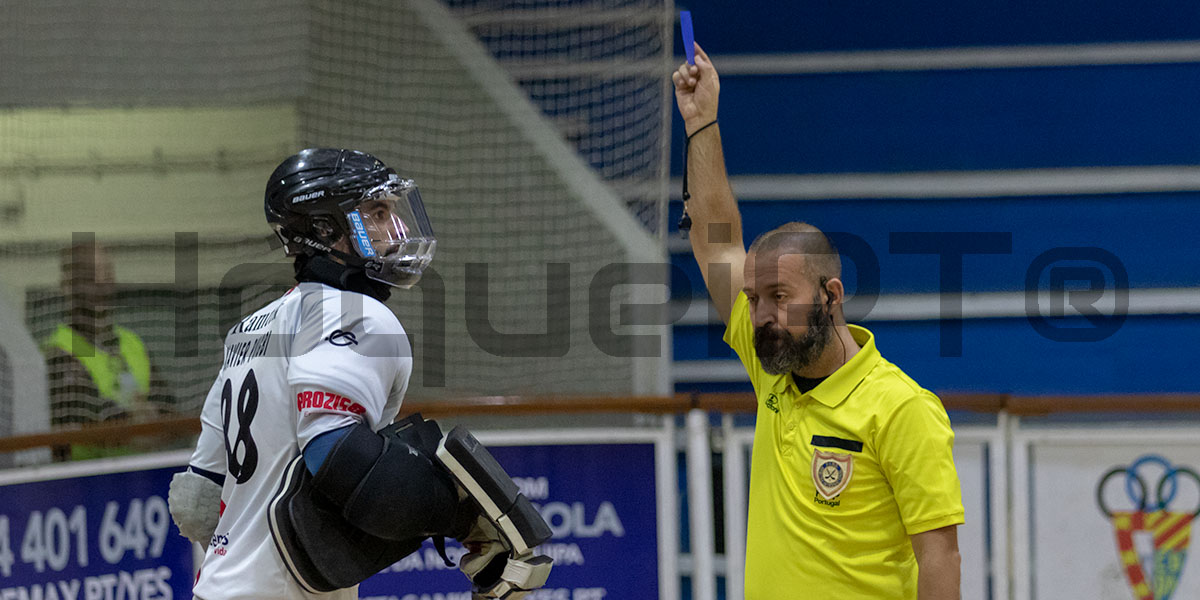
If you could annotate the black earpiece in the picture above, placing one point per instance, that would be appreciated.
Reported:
(829, 314)
(828, 294)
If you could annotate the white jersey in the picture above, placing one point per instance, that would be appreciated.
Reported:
(314, 360)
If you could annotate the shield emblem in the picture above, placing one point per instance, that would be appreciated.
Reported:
(831, 472)
(1172, 531)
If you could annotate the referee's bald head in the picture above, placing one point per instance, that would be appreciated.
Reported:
(820, 255)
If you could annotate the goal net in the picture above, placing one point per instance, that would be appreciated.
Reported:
(537, 131)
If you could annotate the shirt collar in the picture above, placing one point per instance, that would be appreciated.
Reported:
(838, 386)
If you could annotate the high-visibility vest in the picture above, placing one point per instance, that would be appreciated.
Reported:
(117, 378)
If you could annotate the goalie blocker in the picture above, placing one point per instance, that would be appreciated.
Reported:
(378, 496)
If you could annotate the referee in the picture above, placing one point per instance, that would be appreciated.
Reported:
(853, 490)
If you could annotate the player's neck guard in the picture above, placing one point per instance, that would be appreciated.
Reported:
(322, 269)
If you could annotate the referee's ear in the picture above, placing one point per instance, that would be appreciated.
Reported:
(835, 293)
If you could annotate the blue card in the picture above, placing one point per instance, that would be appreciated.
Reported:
(689, 42)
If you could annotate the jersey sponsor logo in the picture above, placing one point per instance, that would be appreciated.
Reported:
(773, 403)
(316, 399)
(831, 473)
(218, 543)
(342, 338)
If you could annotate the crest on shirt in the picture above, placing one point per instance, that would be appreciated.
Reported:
(831, 472)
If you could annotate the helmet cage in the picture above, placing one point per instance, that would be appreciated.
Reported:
(388, 232)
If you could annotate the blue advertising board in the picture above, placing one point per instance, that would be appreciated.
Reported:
(600, 501)
(99, 537)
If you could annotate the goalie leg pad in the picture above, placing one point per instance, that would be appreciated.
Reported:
(508, 529)
(485, 481)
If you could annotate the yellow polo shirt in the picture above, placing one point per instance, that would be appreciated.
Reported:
(841, 477)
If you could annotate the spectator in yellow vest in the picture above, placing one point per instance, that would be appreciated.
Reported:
(98, 371)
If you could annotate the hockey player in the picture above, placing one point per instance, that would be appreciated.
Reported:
(300, 484)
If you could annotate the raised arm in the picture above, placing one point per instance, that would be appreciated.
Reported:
(716, 225)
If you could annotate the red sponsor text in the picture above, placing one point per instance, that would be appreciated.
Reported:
(317, 399)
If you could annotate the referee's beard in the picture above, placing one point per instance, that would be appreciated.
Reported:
(781, 353)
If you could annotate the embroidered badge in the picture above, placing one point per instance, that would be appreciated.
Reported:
(831, 472)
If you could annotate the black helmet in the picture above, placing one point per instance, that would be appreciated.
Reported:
(321, 196)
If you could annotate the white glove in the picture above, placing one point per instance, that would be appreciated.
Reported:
(195, 503)
(520, 574)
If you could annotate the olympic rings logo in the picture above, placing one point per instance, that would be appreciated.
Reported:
(1138, 490)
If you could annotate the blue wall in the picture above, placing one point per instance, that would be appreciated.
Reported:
(969, 120)
(1154, 236)
(778, 26)
(930, 121)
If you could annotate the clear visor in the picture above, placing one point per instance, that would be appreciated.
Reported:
(390, 231)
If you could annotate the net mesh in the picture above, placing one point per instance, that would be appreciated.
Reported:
(184, 353)
(595, 69)
(170, 115)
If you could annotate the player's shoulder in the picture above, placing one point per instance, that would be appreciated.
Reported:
(348, 318)
(903, 412)
(261, 319)
(896, 390)
(380, 315)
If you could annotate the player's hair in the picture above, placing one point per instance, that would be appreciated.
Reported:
(820, 255)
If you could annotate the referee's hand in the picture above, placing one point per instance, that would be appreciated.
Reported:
(696, 90)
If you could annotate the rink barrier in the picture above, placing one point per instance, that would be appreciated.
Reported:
(172, 427)
(996, 456)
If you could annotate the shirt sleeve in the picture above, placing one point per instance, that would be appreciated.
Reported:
(739, 334)
(322, 410)
(347, 362)
(916, 451)
(210, 448)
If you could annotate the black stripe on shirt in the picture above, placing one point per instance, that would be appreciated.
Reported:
(837, 442)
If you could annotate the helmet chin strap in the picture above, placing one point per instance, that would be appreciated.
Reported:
(320, 245)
